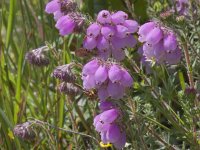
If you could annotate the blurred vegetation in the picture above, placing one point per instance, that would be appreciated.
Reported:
(161, 115)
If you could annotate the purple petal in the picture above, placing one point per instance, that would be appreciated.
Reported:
(130, 41)
(57, 15)
(120, 143)
(173, 57)
(103, 93)
(170, 42)
(154, 36)
(89, 43)
(104, 53)
(115, 90)
(113, 134)
(101, 74)
(89, 82)
(52, 6)
(93, 30)
(115, 73)
(146, 28)
(90, 67)
(108, 31)
(109, 116)
(118, 54)
(119, 17)
(118, 43)
(65, 25)
(104, 17)
(126, 80)
(132, 25)
(103, 137)
(102, 43)
(96, 119)
(121, 31)
(105, 105)
(101, 126)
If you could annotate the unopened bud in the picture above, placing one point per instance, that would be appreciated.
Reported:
(24, 131)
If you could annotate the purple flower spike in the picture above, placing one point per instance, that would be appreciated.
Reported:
(65, 25)
(93, 30)
(89, 43)
(114, 133)
(115, 73)
(52, 6)
(101, 74)
(109, 116)
(104, 17)
(119, 17)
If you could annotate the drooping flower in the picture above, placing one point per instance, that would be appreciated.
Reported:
(111, 33)
(159, 44)
(68, 20)
(108, 125)
(53, 6)
(108, 78)
(37, 57)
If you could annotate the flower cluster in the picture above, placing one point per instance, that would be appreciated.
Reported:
(68, 19)
(65, 74)
(160, 44)
(109, 79)
(110, 34)
(182, 7)
(109, 125)
(37, 57)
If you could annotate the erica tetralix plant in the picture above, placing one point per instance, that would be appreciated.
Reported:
(110, 34)
(160, 44)
(108, 78)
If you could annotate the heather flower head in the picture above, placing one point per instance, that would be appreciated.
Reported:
(69, 89)
(108, 78)
(24, 131)
(64, 73)
(37, 57)
(109, 126)
(68, 20)
(160, 44)
(110, 34)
